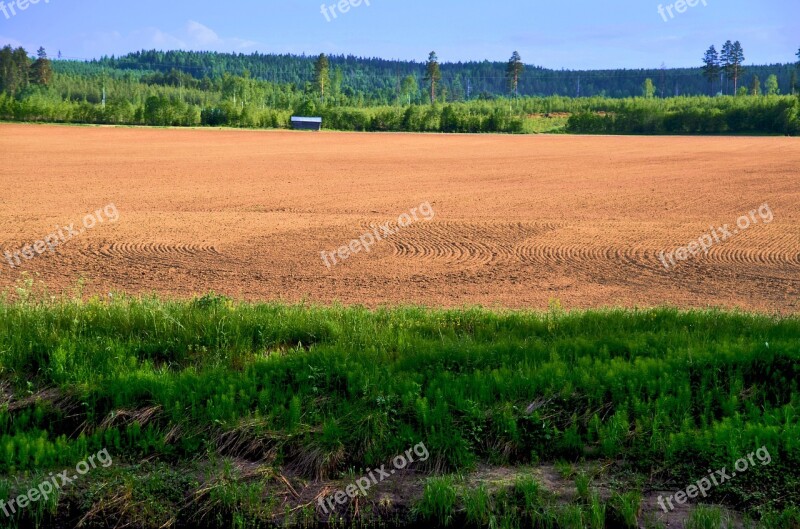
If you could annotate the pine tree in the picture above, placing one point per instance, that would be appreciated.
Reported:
(41, 69)
(433, 74)
(7, 71)
(513, 71)
(712, 66)
(794, 74)
(22, 65)
(322, 70)
(725, 59)
(737, 59)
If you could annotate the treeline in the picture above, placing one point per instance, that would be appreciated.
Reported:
(161, 110)
(692, 115)
(33, 90)
(381, 80)
(176, 98)
(79, 100)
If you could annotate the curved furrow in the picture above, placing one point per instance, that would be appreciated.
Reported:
(461, 243)
(142, 251)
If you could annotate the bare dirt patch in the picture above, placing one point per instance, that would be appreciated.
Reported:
(520, 220)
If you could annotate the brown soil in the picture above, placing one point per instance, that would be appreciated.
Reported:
(519, 220)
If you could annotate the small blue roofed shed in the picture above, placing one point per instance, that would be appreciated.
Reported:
(302, 123)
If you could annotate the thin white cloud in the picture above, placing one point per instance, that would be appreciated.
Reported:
(202, 34)
(192, 36)
(196, 35)
(162, 40)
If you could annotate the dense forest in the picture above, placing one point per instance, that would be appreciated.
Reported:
(382, 79)
(263, 91)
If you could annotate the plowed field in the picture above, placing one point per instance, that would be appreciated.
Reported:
(519, 220)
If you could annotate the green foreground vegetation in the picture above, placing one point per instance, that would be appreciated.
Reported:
(218, 414)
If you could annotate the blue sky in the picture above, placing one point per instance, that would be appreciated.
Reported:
(555, 34)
